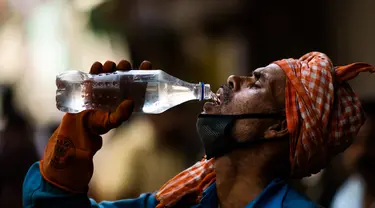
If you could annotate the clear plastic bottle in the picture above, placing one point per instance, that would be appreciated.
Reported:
(153, 91)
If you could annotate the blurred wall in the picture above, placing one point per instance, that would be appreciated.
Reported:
(352, 35)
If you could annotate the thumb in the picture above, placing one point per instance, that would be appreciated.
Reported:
(123, 112)
(99, 122)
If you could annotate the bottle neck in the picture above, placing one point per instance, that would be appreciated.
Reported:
(202, 91)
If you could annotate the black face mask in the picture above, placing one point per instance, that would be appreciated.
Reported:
(215, 132)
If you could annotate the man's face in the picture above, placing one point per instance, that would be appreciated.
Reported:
(261, 92)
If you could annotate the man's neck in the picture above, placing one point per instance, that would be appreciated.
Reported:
(243, 174)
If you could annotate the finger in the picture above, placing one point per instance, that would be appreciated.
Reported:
(123, 112)
(100, 122)
(145, 65)
(124, 65)
(96, 68)
(109, 66)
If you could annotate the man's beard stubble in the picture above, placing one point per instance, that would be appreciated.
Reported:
(227, 93)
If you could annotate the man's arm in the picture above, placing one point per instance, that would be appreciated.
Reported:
(37, 192)
(61, 178)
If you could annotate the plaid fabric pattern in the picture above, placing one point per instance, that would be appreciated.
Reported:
(323, 113)
(191, 181)
(323, 117)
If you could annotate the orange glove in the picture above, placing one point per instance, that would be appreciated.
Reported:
(67, 161)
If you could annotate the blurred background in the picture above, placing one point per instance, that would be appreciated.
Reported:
(195, 40)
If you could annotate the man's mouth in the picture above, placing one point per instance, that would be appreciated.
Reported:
(215, 101)
(216, 98)
(219, 96)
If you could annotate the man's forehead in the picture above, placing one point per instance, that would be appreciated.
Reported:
(271, 70)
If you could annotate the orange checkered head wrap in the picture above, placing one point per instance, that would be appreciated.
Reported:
(323, 113)
(323, 117)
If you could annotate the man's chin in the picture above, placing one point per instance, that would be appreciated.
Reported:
(211, 108)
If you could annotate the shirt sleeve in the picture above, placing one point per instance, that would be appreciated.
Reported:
(37, 192)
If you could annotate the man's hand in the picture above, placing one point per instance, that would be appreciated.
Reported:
(67, 161)
(99, 122)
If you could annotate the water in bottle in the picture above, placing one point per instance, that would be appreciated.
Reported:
(152, 91)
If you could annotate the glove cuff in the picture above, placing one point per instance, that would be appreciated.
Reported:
(54, 182)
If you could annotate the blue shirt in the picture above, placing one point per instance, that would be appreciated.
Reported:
(39, 193)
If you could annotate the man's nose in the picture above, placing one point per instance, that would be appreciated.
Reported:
(234, 82)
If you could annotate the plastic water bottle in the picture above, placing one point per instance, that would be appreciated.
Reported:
(153, 91)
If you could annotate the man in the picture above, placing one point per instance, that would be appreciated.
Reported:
(285, 120)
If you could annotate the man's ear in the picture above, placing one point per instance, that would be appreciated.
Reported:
(276, 131)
